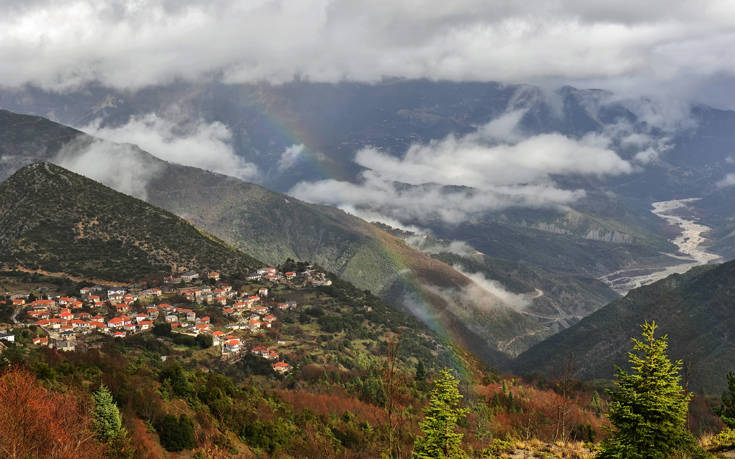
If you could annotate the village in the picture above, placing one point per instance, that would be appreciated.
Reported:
(68, 323)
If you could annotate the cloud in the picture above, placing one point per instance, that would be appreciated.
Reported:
(644, 147)
(131, 44)
(728, 180)
(431, 246)
(482, 286)
(290, 157)
(192, 143)
(467, 161)
(428, 202)
(120, 166)
(457, 178)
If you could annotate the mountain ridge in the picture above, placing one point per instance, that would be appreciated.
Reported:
(54, 220)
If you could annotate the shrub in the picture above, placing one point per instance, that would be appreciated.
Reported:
(176, 434)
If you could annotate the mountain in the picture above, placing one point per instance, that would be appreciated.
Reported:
(272, 227)
(695, 309)
(53, 220)
(334, 121)
(609, 230)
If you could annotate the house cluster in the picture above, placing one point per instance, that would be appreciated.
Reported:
(310, 276)
(190, 276)
(120, 312)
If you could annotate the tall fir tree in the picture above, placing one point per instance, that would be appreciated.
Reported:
(106, 415)
(726, 412)
(440, 438)
(420, 371)
(648, 408)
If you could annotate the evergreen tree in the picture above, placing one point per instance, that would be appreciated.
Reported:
(441, 439)
(106, 415)
(648, 408)
(420, 371)
(727, 411)
(596, 403)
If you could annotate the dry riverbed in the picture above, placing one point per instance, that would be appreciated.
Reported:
(690, 243)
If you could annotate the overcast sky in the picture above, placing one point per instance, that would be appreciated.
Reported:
(628, 45)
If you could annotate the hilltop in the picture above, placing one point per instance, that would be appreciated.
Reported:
(695, 309)
(56, 221)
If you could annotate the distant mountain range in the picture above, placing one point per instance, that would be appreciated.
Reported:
(611, 228)
(548, 257)
(336, 120)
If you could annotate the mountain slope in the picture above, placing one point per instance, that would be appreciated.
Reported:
(695, 309)
(556, 299)
(54, 220)
(272, 227)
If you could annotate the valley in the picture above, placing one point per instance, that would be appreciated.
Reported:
(356, 230)
(690, 242)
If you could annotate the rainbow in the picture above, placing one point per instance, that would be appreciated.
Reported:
(416, 295)
(274, 120)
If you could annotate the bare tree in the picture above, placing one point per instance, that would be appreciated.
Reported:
(564, 386)
(390, 385)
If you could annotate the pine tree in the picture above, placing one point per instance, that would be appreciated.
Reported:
(420, 371)
(106, 415)
(441, 439)
(595, 403)
(727, 411)
(648, 408)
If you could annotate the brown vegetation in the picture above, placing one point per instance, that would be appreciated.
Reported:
(37, 422)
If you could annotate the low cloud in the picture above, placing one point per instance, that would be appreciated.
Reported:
(469, 161)
(728, 180)
(432, 246)
(483, 286)
(458, 178)
(119, 166)
(290, 157)
(428, 202)
(191, 143)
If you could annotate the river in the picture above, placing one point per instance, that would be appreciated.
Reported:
(690, 243)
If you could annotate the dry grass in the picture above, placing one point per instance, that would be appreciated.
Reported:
(537, 448)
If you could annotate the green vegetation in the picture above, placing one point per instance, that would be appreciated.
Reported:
(105, 415)
(648, 406)
(727, 410)
(724, 440)
(334, 403)
(440, 438)
(176, 434)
